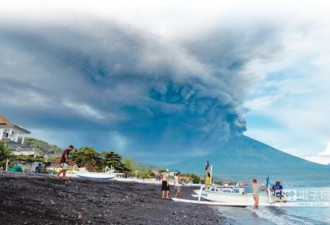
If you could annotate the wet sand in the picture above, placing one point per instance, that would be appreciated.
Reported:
(30, 199)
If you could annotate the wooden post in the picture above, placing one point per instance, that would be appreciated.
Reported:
(7, 164)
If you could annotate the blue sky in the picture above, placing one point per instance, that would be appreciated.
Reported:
(143, 77)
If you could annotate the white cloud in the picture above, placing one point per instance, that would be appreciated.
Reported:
(326, 152)
(260, 103)
(84, 110)
(24, 98)
(284, 140)
(298, 100)
(321, 157)
(119, 141)
(294, 91)
(318, 159)
(168, 18)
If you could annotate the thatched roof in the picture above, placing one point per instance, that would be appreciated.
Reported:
(4, 121)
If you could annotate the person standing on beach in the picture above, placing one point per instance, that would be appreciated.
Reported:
(255, 192)
(177, 185)
(65, 161)
(166, 184)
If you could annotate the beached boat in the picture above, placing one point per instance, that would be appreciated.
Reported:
(95, 175)
(198, 202)
(231, 195)
(108, 174)
(240, 196)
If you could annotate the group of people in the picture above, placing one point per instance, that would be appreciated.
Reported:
(166, 184)
(277, 189)
(165, 176)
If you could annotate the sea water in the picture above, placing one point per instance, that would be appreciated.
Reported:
(309, 206)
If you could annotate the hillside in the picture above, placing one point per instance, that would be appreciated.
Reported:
(243, 158)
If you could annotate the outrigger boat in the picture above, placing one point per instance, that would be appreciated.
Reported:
(236, 195)
(232, 196)
(106, 175)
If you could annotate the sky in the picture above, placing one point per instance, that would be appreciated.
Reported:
(141, 77)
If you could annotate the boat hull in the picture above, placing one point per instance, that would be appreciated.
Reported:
(95, 176)
(236, 199)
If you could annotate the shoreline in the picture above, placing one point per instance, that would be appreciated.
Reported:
(31, 199)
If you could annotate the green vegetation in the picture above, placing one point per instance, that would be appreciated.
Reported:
(94, 161)
(27, 158)
(4, 154)
(145, 174)
(87, 157)
(84, 157)
(196, 179)
(113, 159)
(39, 144)
(131, 166)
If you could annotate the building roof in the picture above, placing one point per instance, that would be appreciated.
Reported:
(20, 129)
(4, 121)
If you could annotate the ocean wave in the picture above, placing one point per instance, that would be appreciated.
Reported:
(278, 216)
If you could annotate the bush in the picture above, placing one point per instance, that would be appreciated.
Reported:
(4, 154)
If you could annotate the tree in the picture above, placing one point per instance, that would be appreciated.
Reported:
(4, 154)
(87, 157)
(196, 179)
(35, 143)
(145, 174)
(129, 165)
(113, 159)
(94, 161)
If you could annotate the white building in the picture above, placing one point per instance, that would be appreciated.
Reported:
(11, 133)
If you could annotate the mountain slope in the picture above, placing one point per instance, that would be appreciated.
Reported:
(243, 158)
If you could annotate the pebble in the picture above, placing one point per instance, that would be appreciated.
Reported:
(121, 203)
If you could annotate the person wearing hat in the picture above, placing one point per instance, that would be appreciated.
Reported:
(166, 184)
(255, 192)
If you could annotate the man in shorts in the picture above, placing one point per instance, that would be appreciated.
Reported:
(166, 184)
(255, 193)
(177, 185)
(65, 161)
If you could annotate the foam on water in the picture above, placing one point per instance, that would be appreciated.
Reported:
(278, 216)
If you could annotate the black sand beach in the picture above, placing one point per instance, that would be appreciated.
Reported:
(30, 199)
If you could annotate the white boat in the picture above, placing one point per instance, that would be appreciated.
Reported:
(238, 196)
(108, 174)
(95, 175)
(276, 204)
